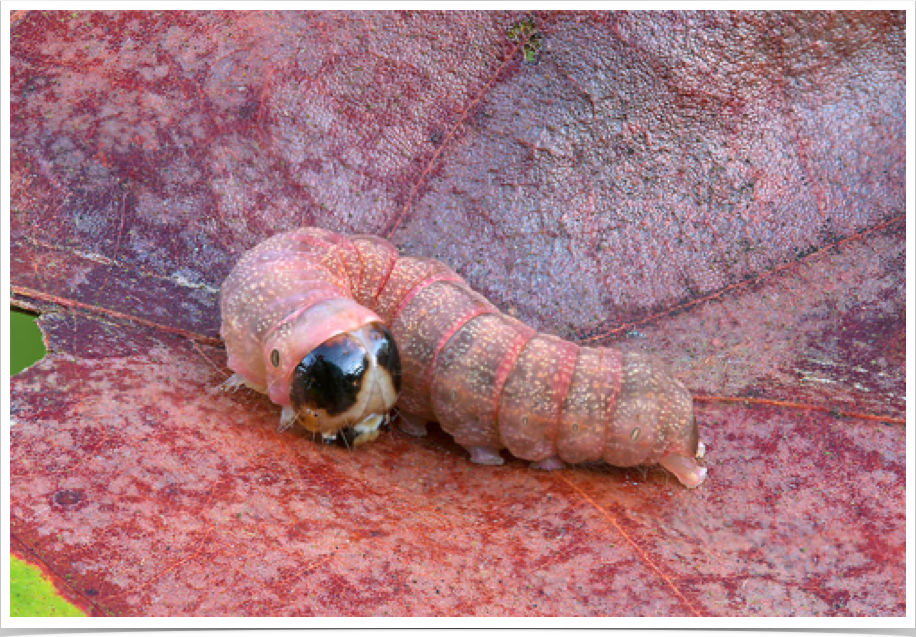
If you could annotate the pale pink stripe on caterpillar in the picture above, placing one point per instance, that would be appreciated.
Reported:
(310, 306)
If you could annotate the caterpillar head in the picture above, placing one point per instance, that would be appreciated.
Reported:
(349, 381)
(338, 368)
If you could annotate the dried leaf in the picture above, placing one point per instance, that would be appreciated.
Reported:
(725, 189)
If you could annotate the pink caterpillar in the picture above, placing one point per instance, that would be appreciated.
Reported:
(304, 318)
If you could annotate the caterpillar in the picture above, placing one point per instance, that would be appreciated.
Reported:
(339, 329)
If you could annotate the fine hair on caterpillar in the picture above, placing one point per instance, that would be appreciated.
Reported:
(338, 329)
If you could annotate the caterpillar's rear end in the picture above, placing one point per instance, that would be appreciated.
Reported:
(492, 382)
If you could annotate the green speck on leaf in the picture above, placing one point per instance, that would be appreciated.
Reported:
(527, 33)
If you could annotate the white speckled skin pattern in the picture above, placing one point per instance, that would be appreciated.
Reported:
(490, 381)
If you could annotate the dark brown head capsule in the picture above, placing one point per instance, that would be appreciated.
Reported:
(330, 377)
(351, 380)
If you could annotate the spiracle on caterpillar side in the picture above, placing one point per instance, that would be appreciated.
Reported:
(337, 330)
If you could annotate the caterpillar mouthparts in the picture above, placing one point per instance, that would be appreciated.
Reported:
(365, 431)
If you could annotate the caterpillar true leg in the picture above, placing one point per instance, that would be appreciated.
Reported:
(288, 416)
(237, 380)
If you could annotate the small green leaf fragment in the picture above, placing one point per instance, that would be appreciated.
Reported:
(31, 595)
(527, 33)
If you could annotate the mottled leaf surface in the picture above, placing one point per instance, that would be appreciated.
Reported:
(724, 189)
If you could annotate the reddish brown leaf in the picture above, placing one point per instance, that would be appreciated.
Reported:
(725, 189)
